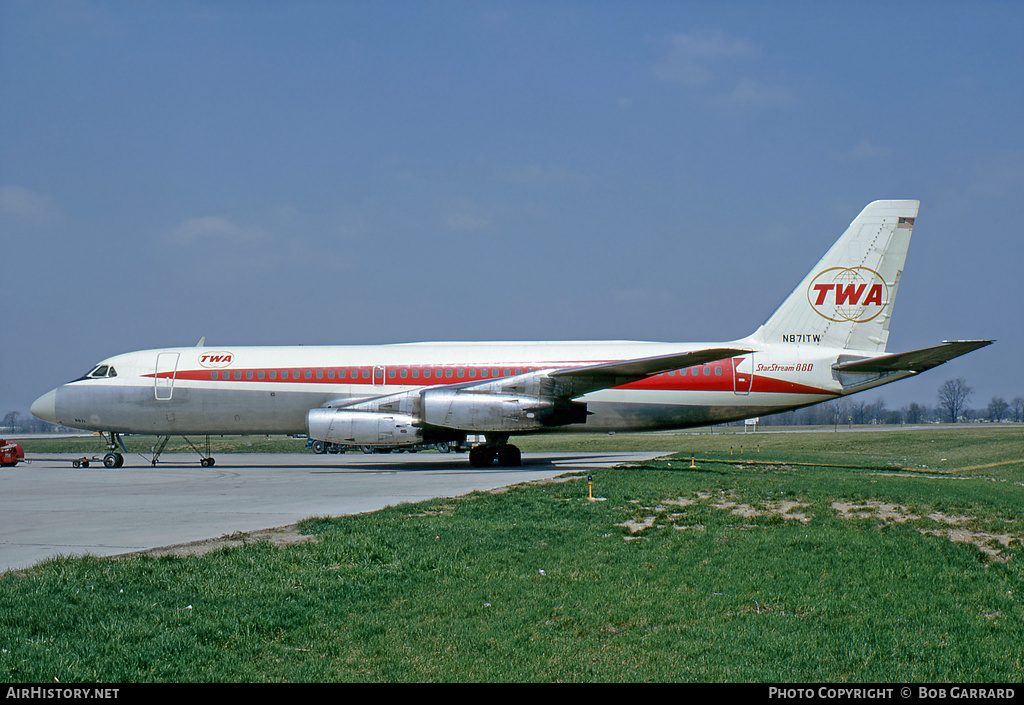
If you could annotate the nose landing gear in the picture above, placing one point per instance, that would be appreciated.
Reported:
(113, 458)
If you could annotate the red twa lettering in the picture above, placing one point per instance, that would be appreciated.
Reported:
(849, 295)
(822, 289)
(851, 292)
(216, 359)
(874, 295)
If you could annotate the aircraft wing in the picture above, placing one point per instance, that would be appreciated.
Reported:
(550, 385)
(915, 360)
(577, 381)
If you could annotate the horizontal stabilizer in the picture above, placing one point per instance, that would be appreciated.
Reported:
(914, 361)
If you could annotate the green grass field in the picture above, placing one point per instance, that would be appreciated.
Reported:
(772, 557)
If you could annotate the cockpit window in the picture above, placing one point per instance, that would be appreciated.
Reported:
(102, 371)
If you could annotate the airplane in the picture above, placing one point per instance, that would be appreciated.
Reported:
(826, 340)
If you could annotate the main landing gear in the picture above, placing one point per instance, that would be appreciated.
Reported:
(507, 455)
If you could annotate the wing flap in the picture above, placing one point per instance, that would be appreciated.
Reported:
(915, 360)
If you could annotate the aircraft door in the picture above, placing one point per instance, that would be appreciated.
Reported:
(743, 374)
(166, 369)
(378, 374)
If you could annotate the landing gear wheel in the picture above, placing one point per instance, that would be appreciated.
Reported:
(113, 460)
(207, 462)
(509, 456)
(481, 456)
(318, 447)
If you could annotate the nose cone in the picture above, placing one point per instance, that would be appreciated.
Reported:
(45, 407)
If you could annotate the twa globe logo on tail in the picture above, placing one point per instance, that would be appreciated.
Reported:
(848, 294)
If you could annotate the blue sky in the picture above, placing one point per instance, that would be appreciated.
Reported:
(364, 172)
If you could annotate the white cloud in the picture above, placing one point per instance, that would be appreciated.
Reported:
(215, 228)
(696, 60)
(755, 94)
(26, 205)
(722, 68)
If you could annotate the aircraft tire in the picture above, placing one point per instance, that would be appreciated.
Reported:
(113, 460)
(509, 456)
(481, 457)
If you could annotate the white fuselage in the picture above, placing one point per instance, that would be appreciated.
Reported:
(269, 390)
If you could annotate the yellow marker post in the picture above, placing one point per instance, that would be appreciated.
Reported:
(590, 485)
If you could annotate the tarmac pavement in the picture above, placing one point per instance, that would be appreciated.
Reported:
(49, 508)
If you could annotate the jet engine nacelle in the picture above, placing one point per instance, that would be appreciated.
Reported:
(370, 428)
(467, 411)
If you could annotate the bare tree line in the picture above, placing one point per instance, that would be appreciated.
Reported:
(951, 406)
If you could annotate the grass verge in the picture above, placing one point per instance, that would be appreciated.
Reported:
(881, 558)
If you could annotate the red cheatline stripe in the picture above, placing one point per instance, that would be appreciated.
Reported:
(440, 375)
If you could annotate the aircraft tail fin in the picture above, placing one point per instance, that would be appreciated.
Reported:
(846, 300)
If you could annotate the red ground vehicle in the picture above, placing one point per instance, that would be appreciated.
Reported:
(11, 453)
